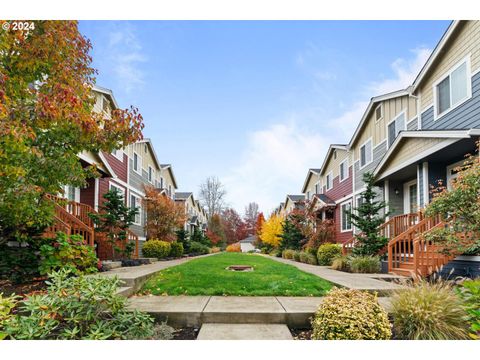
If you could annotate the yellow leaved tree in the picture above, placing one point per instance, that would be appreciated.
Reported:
(272, 230)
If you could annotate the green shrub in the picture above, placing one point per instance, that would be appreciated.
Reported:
(7, 304)
(198, 248)
(341, 263)
(67, 253)
(19, 264)
(428, 311)
(365, 264)
(296, 256)
(288, 254)
(469, 292)
(327, 252)
(83, 307)
(307, 258)
(156, 249)
(350, 315)
(176, 249)
(276, 253)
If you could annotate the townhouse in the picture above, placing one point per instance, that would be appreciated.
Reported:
(196, 217)
(293, 202)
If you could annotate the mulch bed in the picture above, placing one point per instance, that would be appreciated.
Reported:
(186, 334)
(301, 334)
(9, 288)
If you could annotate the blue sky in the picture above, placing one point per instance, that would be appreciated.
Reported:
(255, 103)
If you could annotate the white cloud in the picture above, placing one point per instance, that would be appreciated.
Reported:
(124, 54)
(276, 159)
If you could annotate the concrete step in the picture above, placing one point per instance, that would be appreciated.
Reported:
(125, 291)
(210, 331)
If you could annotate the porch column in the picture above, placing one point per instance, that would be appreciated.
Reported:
(386, 189)
(423, 191)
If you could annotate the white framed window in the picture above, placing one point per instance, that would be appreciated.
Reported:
(137, 163)
(118, 189)
(345, 219)
(136, 202)
(150, 174)
(329, 180)
(308, 195)
(72, 193)
(170, 190)
(161, 182)
(343, 171)
(317, 188)
(452, 172)
(453, 88)
(118, 154)
(394, 127)
(379, 112)
(366, 153)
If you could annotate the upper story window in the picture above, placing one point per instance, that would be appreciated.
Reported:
(346, 221)
(317, 188)
(334, 154)
(161, 183)
(394, 127)
(366, 153)
(453, 89)
(150, 174)
(135, 202)
(308, 195)
(105, 105)
(170, 190)
(329, 181)
(343, 173)
(118, 189)
(118, 154)
(379, 112)
(137, 163)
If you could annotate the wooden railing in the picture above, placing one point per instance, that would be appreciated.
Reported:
(77, 209)
(77, 227)
(390, 229)
(402, 250)
(57, 226)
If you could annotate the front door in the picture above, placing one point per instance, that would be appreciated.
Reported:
(410, 203)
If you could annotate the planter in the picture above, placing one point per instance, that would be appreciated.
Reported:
(384, 268)
(463, 266)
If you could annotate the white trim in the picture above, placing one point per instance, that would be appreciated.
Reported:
(138, 206)
(122, 189)
(466, 61)
(96, 194)
(426, 108)
(449, 169)
(476, 72)
(407, 207)
(118, 157)
(360, 153)
(139, 163)
(347, 171)
(330, 173)
(404, 113)
(330, 150)
(378, 145)
(375, 112)
(150, 179)
(410, 121)
(341, 216)
(426, 191)
(106, 163)
(343, 199)
(386, 189)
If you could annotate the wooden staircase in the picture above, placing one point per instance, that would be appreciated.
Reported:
(72, 218)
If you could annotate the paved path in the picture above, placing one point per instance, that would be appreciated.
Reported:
(370, 282)
(244, 332)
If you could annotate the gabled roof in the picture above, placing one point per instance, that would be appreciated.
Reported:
(294, 198)
(373, 101)
(307, 179)
(324, 199)
(108, 93)
(454, 25)
(331, 148)
(183, 195)
(170, 170)
(152, 149)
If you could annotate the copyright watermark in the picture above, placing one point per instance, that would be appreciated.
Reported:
(18, 25)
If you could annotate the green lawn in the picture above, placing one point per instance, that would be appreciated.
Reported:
(208, 276)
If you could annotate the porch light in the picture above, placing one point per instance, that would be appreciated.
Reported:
(396, 191)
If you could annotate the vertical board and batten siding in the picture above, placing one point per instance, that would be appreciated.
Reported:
(333, 165)
(465, 41)
(311, 184)
(378, 153)
(465, 116)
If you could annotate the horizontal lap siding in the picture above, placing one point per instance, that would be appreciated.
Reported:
(119, 167)
(466, 116)
(341, 189)
(340, 237)
(413, 125)
(378, 153)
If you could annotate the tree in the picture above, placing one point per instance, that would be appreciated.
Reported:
(216, 232)
(272, 231)
(199, 236)
(460, 209)
(233, 226)
(367, 218)
(259, 223)
(291, 236)
(183, 238)
(46, 120)
(250, 218)
(114, 219)
(212, 195)
(164, 216)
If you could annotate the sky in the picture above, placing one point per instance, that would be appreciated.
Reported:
(254, 103)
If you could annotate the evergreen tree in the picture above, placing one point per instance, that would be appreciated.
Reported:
(183, 238)
(367, 218)
(291, 237)
(200, 237)
(114, 219)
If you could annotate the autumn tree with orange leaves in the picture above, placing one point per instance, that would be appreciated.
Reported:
(46, 120)
(164, 216)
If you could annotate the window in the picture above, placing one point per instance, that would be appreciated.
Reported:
(366, 153)
(137, 163)
(317, 188)
(334, 154)
(345, 216)
(150, 174)
(135, 203)
(118, 154)
(105, 104)
(394, 128)
(117, 189)
(328, 181)
(343, 170)
(170, 190)
(378, 112)
(453, 89)
(161, 183)
(308, 195)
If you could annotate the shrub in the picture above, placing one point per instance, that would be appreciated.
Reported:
(19, 264)
(365, 264)
(234, 248)
(327, 252)
(163, 332)
(7, 304)
(156, 249)
(276, 253)
(215, 250)
(198, 248)
(341, 263)
(288, 254)
(427, 311)
(176, 249)
(307, 258)
(70, 253)
(469, 292)
(296, 256)
(350, 315)
(83, 307)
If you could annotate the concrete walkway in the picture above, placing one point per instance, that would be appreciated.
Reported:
(244, 332)
(369, 282)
